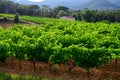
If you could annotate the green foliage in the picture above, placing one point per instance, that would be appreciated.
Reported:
(4, 19)
(61, 13)
(88, 58)
(58, 41)
(4, 51)
(16, 18)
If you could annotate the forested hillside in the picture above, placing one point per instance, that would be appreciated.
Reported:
(99, 5)
(7, 6)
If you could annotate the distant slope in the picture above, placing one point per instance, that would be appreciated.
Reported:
(98, 4)
(54, 3)
(77, 4)
(116, 2)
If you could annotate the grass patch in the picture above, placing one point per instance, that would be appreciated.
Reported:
(17, 77)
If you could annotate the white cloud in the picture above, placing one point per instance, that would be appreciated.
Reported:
(36, 0)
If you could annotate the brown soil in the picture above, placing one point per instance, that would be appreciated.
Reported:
(10, 23)
(109, 71)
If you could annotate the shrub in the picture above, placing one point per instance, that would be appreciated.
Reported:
(16, 18)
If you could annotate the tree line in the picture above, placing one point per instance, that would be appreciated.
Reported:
(7, 6)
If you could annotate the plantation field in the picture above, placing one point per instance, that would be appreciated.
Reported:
(53, 41)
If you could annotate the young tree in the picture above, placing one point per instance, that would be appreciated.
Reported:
(16, 18)
(61, 13)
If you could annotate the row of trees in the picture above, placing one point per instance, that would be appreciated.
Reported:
(95, 15)
(7, 6)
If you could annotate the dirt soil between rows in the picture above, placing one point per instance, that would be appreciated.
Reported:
(10, 23)
(108, 71)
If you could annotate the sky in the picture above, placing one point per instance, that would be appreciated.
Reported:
(35, 0)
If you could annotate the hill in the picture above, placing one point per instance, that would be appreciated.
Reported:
(54, 3)
(116, 2)
(78, 4)
(99, 5)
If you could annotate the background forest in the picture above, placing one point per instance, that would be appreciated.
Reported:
(7, 6)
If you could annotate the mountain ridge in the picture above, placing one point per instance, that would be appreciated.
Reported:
(79, 4)
(99, 5)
